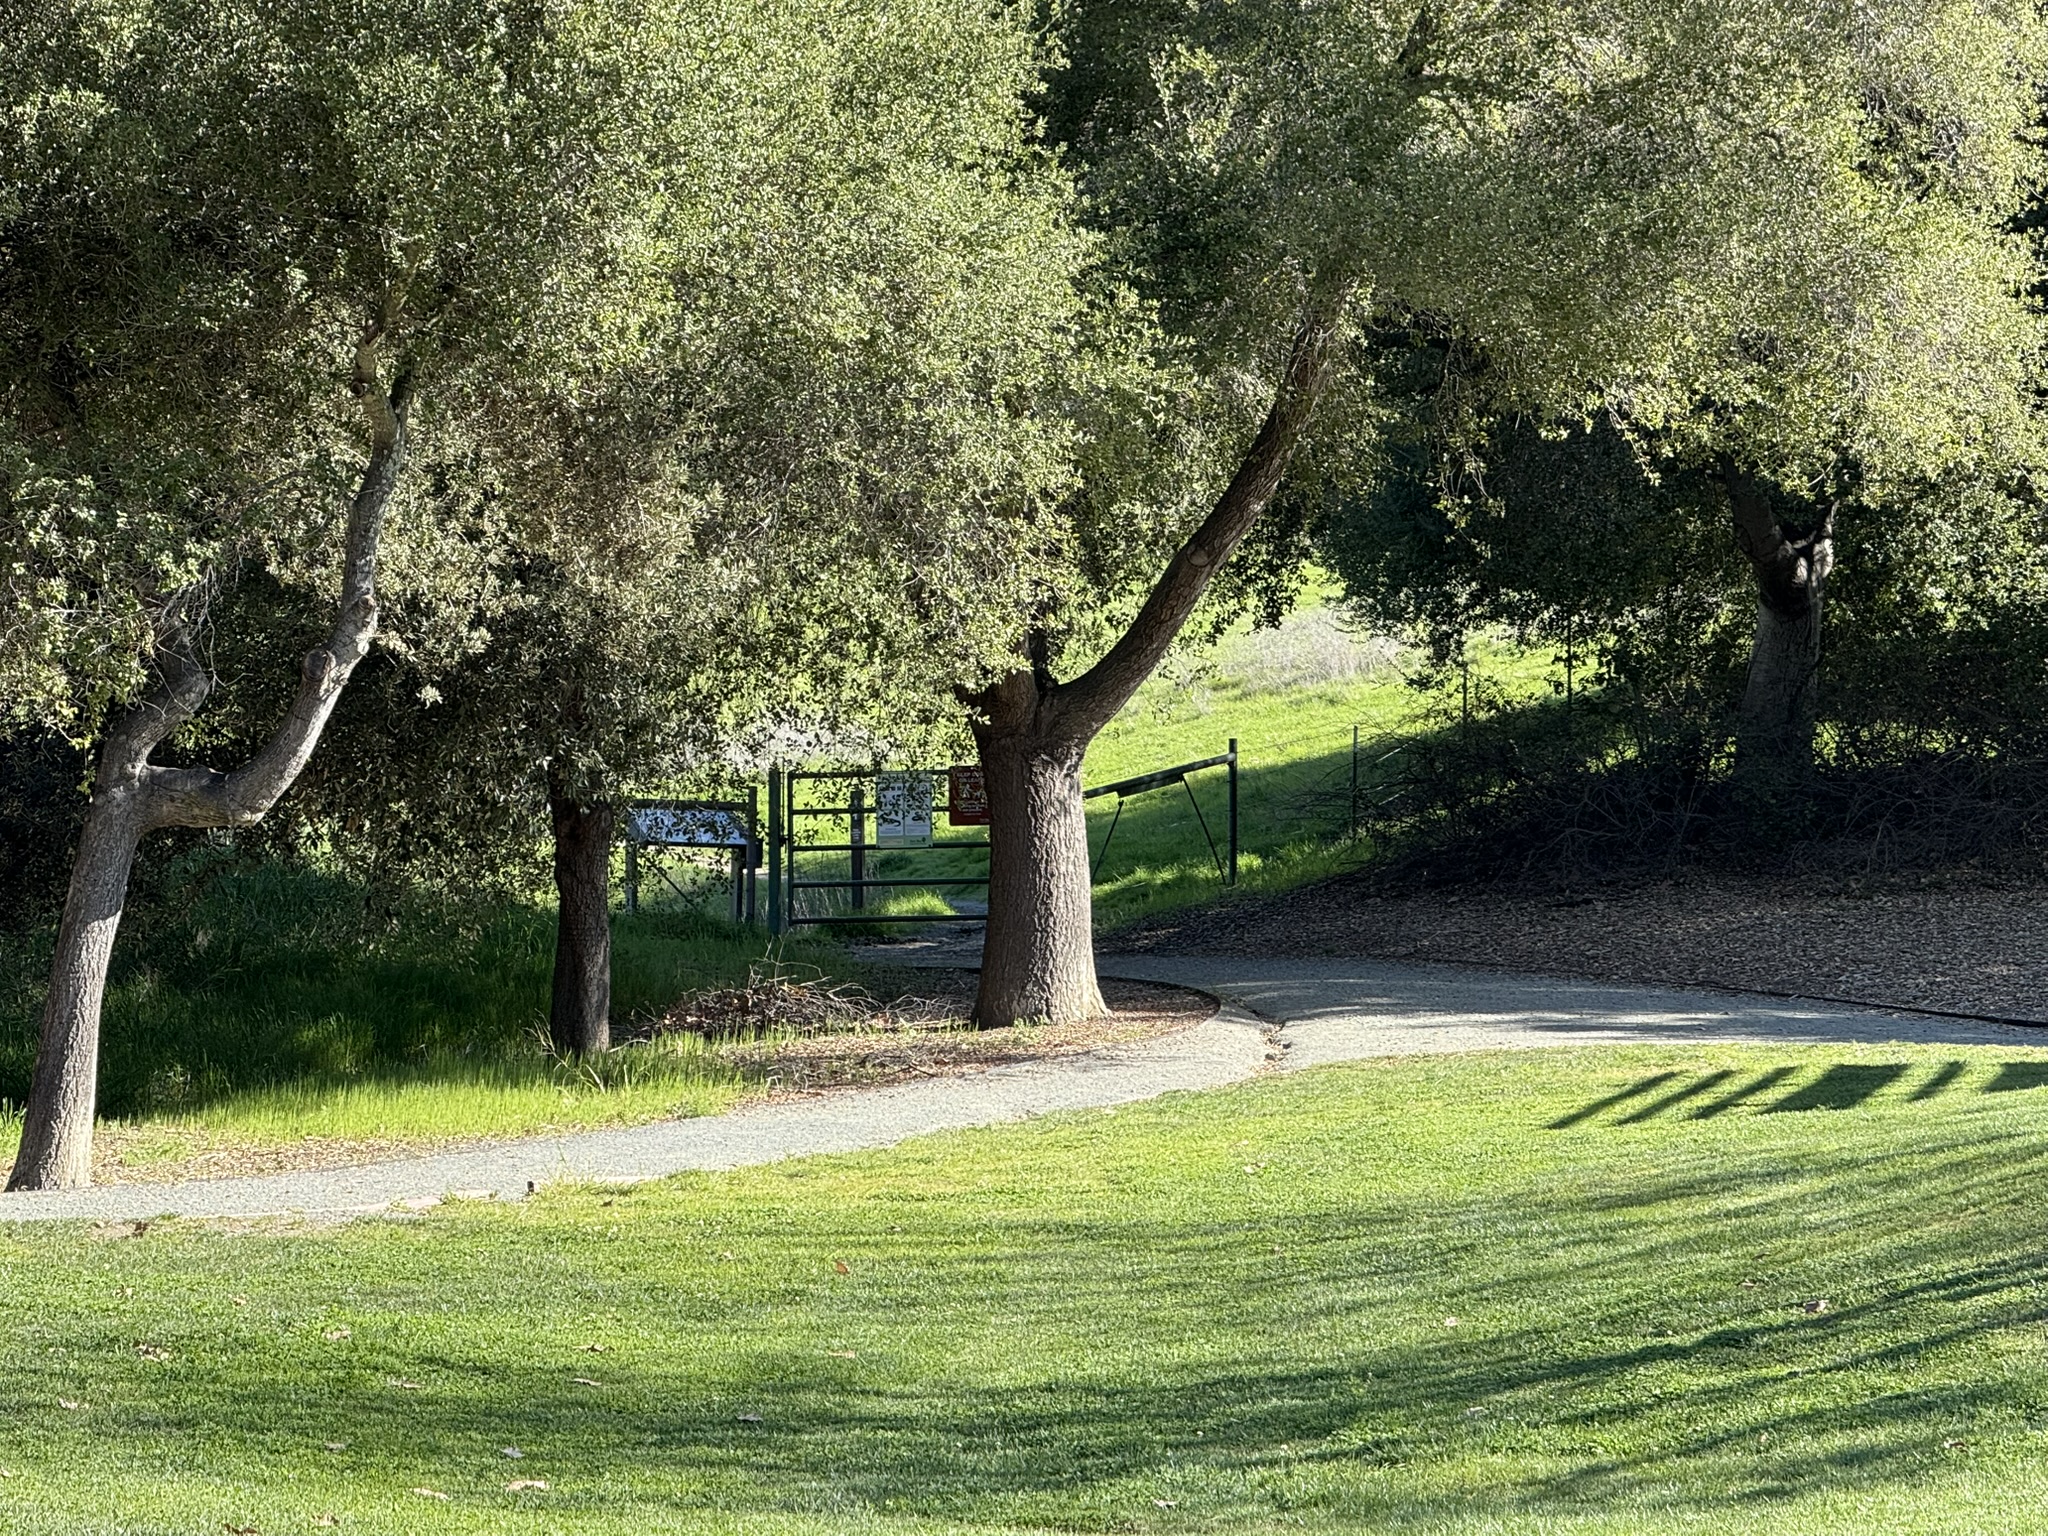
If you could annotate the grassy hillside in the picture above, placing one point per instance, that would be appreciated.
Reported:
(1641, 1291)
(1291, 697)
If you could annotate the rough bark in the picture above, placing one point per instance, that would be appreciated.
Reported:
(579, 1014)
(1774, 731)
(1038, 959)
(133, 797)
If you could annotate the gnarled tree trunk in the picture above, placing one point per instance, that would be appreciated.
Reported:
(1774, 731)
(1038, 960)
(133, 797)
(580, 1012)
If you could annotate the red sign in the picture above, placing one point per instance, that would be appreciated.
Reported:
(966, 797)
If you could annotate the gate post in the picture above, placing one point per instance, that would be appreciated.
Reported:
(857, 827)
(775, 848)
(1233, 811)
(753, 852)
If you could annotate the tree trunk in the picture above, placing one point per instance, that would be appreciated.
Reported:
(1774, 731)
(56, 1137)
(579, 1016)
(1038, 959)
(133, 797)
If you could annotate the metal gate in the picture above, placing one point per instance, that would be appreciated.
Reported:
(1165, 778)
(825, 825)
(847, 812)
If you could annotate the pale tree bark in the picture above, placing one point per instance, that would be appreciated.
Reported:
(1774, 730)
(133, 797)
(1038, 959)
(579, 1013)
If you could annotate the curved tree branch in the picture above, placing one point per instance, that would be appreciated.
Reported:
(204, 797)
(1083, 706)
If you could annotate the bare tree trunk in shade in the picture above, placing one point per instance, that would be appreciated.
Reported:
(1774, 730)
(579, 1013)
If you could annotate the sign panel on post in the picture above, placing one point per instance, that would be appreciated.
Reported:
(903, 810)
(966, 796)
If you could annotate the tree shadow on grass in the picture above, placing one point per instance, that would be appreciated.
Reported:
(2017, 1076)
(1843, 1086)
(730, 1399)
(1840, 1086)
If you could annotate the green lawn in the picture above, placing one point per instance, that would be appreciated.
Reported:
(1516, 1292)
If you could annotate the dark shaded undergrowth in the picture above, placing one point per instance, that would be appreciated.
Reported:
(236, 974)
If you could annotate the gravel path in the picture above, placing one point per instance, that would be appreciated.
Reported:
(1324, 1010)
(1347, 1010)
(1225, 1048)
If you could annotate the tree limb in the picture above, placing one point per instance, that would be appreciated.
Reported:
(1790, 566)
(204, 797)
(1086, 704)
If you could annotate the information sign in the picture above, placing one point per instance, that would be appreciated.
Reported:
(903, 810)
(676, 826)
(966, 796)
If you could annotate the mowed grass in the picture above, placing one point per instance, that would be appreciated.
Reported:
(1633, 1290)
(258, 1005)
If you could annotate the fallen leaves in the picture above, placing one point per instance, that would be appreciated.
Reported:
(240, 1530)
(238, 1301)
(840, 1266)
(336, 1335)
(327, 1520)
(72, 1404)
(1451, 1322)
(403, 1385)
(1815, 1307)
(337, 1445)
(431, 1493)
(527, 1485)
(595, 1349)
(152, 1352)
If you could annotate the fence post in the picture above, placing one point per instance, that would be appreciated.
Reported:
(1233, 811)
(753, 853)
(857, 827)
(632, 872)
(1354, 783)
(775, 848)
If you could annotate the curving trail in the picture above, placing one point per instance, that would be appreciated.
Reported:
(1284, 1014)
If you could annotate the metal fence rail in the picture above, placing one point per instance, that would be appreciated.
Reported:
(1165, 778)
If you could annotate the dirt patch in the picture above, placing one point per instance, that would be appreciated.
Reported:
(1950, 948)
(899, 1048)
(828, 1038)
